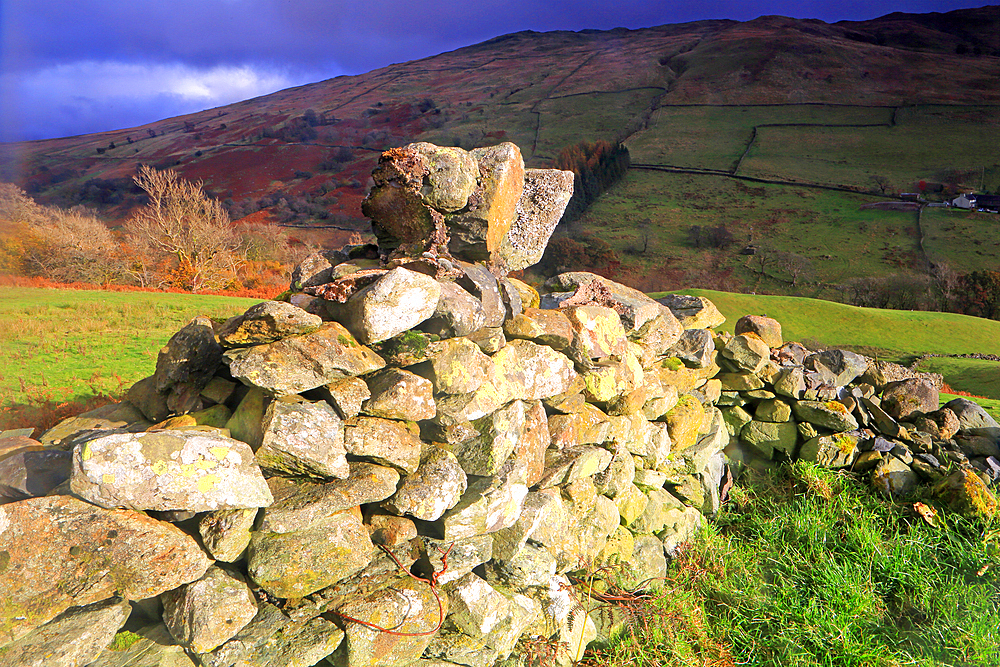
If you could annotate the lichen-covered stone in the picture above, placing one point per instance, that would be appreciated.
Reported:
(407, 606)
(399, 394)
(226, 533)
(64, 552)
(488, 505)
(599, 331)
(185, 365)
(383, 441)
(435, 487)
(684, 421)
(267, 322)
(826, 414)
(297, 364)
(767, 329)
(543, 200)
(839, 450)
(911, 398)
(301, 562)
(168, 470)
(300, 503)
(766, 437)
(530, 372)
(346, 395)
(303, 439)
(499, 433)
(478, 232)
(748, 352)
(75, 637)
(458, 313)
(210, 610)
(693, 312)
(547, 327)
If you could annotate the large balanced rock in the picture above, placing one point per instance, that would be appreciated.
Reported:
(60, 552)
(168, 470)
(414, 186)
(546, 194)
(476, 233)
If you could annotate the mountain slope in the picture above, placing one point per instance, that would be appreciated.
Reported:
(304, 154)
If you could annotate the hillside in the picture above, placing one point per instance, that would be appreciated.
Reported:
(719, 117)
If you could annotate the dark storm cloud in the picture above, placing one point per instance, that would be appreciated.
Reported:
(91, 65)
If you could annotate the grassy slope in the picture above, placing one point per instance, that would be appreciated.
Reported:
(73, 343)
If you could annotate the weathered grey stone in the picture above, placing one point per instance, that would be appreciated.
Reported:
(300, 504)
(531, 372)
(144, 396)
(631, 503)
(547, 327)
(463, 555)
(186, 363)
(892, 477)
(489, 339)
(383, 441)
(168, 470)
(458, 313)
(909, 398)
(398, 301)
(648, 563)
(693, 312)
(346, 395)
(599, 331)
(247, 422)
(543, 200)
(488, 505)
(483, 285)
(149, 646)
(541, 510)
(476, 607)
(297, 364)
(61, 551)
(399, 394)
(303, 439)
(826, 414)
(766, 328)
(226, 533)
(766, 437)
(209, 611)
(572, 463)
(973, 419)
(773, 410)
(790, 381)
(635, 308)
(838, 367)
(270, 639)
(460, 367)
(694, 348)
(499, 433)
(435, 487)
(75, 637)
(619, 475)
(748, 352)
(742, 381)
(680, 526)
(301, 562)
(32, 471)
(267, 322)
(654, 517)
(391, 531)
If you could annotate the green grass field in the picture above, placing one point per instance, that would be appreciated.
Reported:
(69, 344)
(810, 567)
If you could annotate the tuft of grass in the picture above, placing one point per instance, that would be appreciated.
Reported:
(808, 566)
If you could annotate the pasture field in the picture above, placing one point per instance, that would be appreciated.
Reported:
(61, 346)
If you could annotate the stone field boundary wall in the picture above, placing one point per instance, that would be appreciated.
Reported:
(405, 460)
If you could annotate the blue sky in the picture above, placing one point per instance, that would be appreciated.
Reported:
(93, 65)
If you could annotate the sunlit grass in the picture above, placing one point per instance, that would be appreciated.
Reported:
(807, 566)
(75, 346)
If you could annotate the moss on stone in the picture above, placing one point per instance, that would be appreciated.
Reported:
(123, 640)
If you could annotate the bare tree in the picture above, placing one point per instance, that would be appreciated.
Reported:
(181, 235)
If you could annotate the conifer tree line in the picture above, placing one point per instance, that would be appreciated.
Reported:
(598, 165)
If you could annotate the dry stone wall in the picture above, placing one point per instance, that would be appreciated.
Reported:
(405, 461)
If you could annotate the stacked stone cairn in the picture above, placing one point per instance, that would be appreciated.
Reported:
(407, 458)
